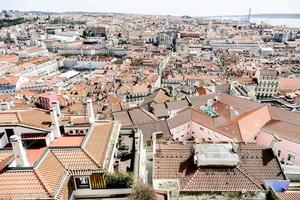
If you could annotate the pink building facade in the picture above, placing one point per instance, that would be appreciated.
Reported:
(46, 98)
(199, 132)
(287, 150)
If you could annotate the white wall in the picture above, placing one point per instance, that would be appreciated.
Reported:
(3, 141)
(18, 130)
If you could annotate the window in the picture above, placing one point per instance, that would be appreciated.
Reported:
(278, 153)
(149, 143)
(82, 182)
(9, 132)
(290, 159)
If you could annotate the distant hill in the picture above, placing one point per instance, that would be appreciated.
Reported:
(277, 15)
(268, 15)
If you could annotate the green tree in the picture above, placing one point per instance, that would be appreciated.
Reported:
(119, 180)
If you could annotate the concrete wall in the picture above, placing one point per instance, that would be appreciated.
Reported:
(3, 141)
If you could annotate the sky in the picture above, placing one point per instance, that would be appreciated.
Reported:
(165, 7)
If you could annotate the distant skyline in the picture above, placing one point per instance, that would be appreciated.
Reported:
(160, 7)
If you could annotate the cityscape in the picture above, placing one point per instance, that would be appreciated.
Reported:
(149, 105)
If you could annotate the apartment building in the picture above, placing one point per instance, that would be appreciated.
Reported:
(267, 83)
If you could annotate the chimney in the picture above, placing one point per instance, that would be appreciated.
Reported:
(209, 102)
(56, 107)
(55, 123)
(5, 106)
(235, 145)
(275, 144)
(90, 111)
(19, 151)
(154, 142)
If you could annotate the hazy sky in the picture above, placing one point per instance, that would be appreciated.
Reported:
(171, 7)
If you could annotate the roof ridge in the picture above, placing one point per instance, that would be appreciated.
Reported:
(90, 157)
(188, 179)
(245, 174)
(129, 115)
(238, 118)
(40, 179)
(57, 188)
(149, 114)
(19, 116)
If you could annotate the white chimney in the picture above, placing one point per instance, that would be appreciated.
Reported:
(55, 106)
(209, 102)
(90, 111)
(216, 99)
(55, 123)
(19, 151)
(235, 147)
(5, 106)
(154, 143)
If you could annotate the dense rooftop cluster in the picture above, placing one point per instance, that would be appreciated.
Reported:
(193, 107)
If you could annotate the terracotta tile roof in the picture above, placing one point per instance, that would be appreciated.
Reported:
(9, 58)
(188, 115)
(51, 172)
(21, 184)
(284, 115)
(238, 103)
(288, 195)
(241, 129)
(74, 159)
(134, 116)
(184, 116)
(283, 129)
(160, 110)
(257, 164)
(149, 128)
(220, 179)
(100, 132)
(67, 141)
(177, 105)
(6, 156)
(159, 96)
(289, 84)
(123, 117)
(172, 161)
(32, 117)
(33, 155)
(141, 116)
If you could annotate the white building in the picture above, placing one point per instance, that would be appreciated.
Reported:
(267, 83)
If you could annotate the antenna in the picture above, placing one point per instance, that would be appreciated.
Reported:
(249, 15)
